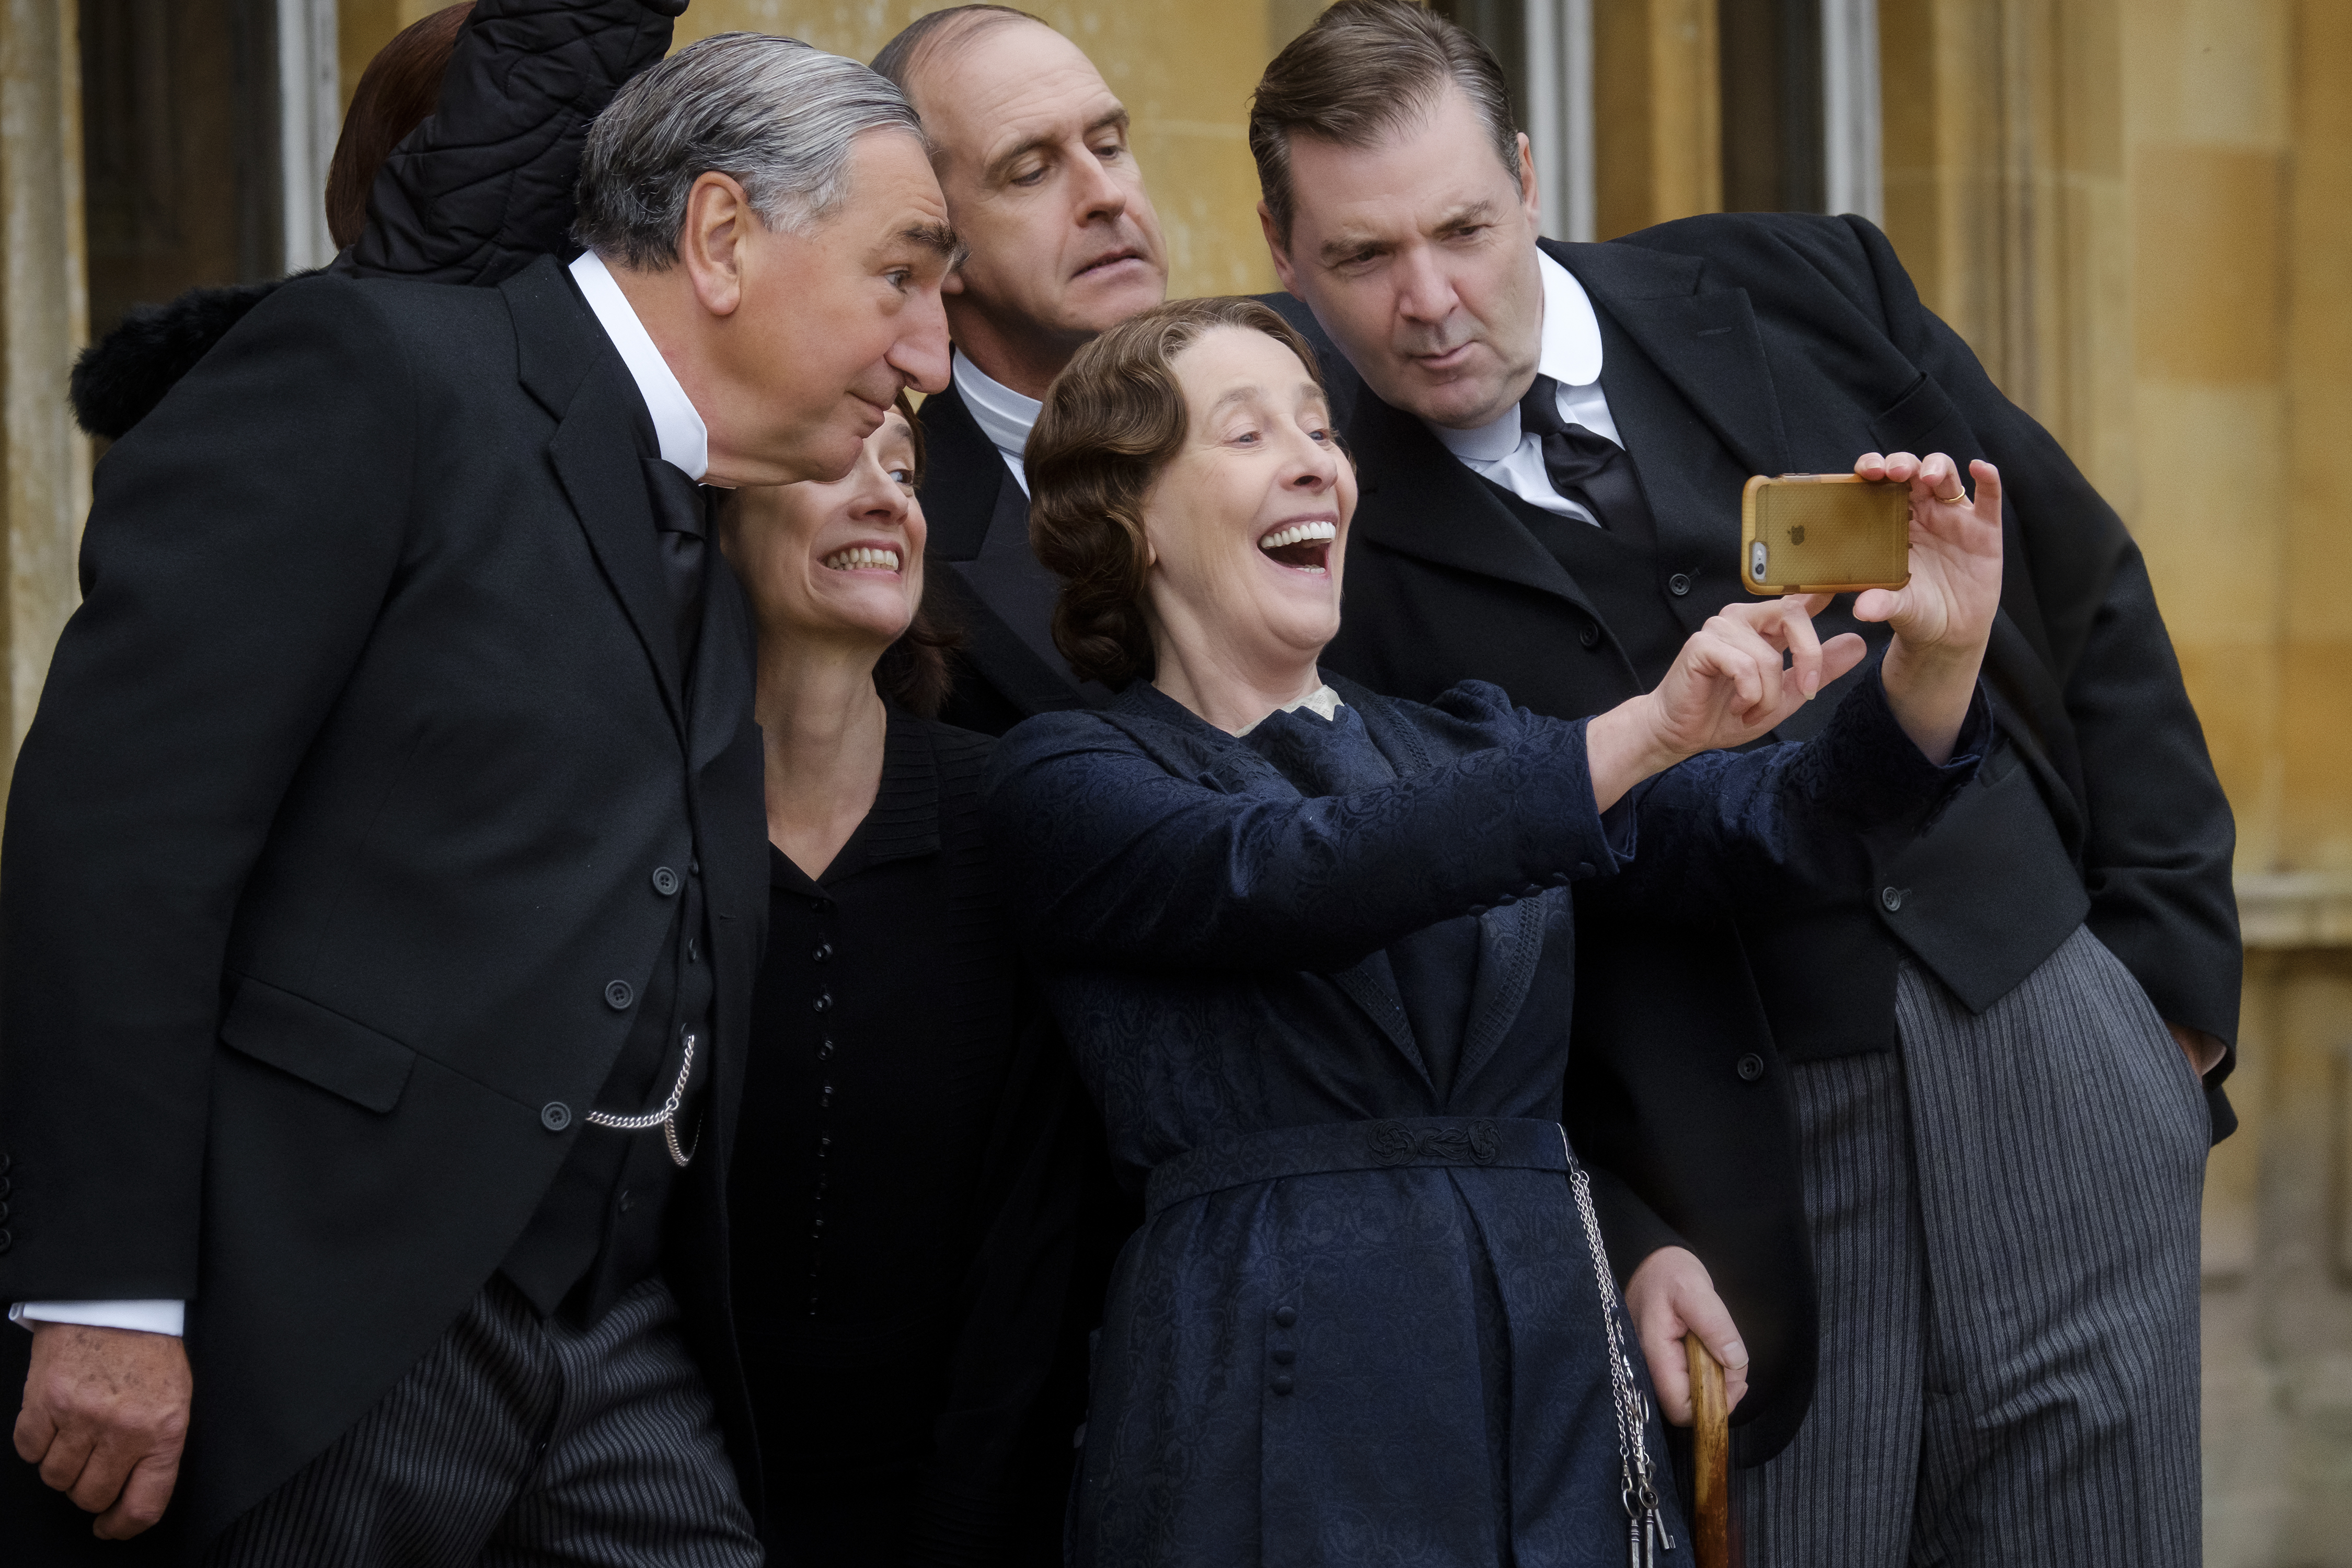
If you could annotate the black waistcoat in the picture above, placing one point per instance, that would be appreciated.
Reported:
(599, 1230)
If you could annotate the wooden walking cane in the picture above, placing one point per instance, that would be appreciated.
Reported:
(1710, 1519)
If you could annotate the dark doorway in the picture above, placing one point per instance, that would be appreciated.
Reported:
(179, 148)
(1773, 152)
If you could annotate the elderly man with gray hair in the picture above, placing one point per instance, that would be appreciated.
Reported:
(384, 871)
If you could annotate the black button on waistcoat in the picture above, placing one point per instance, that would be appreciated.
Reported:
(1589, 634)
(555, 1116)
(619, 995)
(7, 1241)
(1285, 1316)
(665, 881)
(1751, 1066)
(1679, 583)
(1892, 898)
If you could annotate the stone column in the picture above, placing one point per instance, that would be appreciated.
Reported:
(43, 315)
(1657, 101)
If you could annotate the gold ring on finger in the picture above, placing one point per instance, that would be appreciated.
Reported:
(1954, 499)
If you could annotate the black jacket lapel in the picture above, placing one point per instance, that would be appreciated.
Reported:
(961, 474)
(571, 368)
(1419, 500)
(1705, 340)
(965, 484)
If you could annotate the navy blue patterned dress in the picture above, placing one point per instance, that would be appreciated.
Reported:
(1318, 980)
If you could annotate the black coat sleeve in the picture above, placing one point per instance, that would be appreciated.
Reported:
(242, 540)
(2157, 835)
(484, 185)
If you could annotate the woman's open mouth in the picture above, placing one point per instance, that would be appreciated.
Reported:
(862, 558)
(1303, 546)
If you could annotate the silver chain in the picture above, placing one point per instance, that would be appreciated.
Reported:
(665, 1118)
(1647, 1529)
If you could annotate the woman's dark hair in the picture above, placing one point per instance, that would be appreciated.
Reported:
(914, 671)
(400, 87)
(1111, 423)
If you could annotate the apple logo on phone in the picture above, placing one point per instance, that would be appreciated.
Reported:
(1796, 535)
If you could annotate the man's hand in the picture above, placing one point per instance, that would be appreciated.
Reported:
(2203, 1051)
(106, 1413)
(1671, 1295)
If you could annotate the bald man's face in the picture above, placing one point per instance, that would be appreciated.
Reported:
(1042, 187)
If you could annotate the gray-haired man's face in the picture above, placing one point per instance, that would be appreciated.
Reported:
(830, 324)
(1043, 186)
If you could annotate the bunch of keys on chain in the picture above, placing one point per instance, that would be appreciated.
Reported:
(1646, 1532)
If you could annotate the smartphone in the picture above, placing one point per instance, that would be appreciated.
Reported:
(1823, 533)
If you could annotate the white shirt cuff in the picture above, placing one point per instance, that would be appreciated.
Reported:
(147, 1317)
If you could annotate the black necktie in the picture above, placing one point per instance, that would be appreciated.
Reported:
(1586, 467)
(679, 516)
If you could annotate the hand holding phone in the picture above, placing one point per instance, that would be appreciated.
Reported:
(1823, 533)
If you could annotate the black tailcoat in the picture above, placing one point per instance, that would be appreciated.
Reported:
(1772, 343)
(337, 825)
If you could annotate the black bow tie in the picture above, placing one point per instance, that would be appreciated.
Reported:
(681, 514)
(1585, 467)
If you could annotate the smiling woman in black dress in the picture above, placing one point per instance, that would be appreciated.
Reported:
(913, 1149)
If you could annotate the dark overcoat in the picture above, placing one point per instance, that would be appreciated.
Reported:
(334, 830)
(1347, 1333)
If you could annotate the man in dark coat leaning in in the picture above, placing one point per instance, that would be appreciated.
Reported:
(1945, 1129)
(1032, 151)
(384, 869)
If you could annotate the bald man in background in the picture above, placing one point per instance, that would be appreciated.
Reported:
(1031, 146)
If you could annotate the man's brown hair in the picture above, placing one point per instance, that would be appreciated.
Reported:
(400, 87)
(1366, 69)
(1111, 424)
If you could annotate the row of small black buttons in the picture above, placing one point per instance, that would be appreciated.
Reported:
(821, 955)
(619, 995)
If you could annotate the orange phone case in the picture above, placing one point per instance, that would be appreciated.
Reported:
(1823, 533)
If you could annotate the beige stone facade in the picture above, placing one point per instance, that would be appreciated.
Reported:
(2138, 211)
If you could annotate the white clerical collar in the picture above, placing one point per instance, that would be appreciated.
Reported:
(1003, 415)
(1570, 355)
(685, 439)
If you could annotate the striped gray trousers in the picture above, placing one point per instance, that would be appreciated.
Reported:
(520, 1443)
(2005, 1238)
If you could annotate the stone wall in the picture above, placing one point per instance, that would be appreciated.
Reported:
(2137, 211)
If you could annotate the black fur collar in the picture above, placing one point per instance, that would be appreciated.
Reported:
(119, 379)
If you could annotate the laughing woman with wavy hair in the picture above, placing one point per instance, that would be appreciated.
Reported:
(1313, 949)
